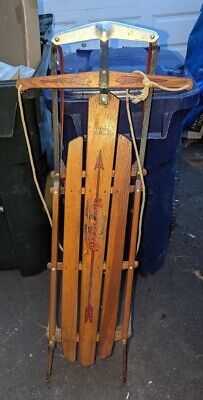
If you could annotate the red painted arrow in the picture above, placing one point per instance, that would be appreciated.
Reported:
(99, 165)
(93, 239)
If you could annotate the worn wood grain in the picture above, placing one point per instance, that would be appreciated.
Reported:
(125, 265)
(54, 261)
(102, 126)
(132, 255)
(115, 250)
(72, 213)
(59, 339)
(88, 80)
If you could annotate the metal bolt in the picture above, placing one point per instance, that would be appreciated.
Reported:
(57, 39)
(152, 36)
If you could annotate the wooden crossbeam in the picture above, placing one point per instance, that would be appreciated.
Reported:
(62, 189)
(133, 172)
(90, 80)
(125, 265)
(117, 336)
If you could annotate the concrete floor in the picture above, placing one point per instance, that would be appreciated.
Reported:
(166, 352)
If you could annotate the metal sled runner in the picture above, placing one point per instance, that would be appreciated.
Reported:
(102, 190)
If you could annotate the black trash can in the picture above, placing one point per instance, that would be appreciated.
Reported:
(165, 131)
(24, 227)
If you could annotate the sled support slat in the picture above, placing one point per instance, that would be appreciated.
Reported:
(53, 265)
(117, 336)
(132, 255)
(102, 126)
(133, 171)
(72, 214)
(125, 265)
(116, 241)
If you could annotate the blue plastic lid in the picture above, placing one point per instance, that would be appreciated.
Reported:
(164, 104)
(125, 59)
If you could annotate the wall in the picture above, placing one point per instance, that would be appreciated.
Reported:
(173, 19)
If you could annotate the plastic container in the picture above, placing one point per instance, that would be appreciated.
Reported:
(165, 130)
(25, 230)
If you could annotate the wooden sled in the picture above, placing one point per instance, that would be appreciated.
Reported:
(100, 183)
(97, 190)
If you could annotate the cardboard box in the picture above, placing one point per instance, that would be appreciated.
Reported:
(19, 33)
(196, 130)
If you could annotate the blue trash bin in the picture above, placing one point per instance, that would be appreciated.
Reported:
(165, 131)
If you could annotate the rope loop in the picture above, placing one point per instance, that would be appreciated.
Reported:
(141, 96)
(149, 84)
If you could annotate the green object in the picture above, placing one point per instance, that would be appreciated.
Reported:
(24, 227)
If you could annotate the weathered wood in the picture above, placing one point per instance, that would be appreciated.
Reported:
(125, 265)
(54, 260)
(72, 211)
(133, 170)
(102, 126)
(116, 337)
(116, 241)
(131, 189)
(90, 80)
(132, 255)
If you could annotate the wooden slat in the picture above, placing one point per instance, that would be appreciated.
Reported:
(53, 264)
(102, 125)
(89, 80)
(71, 244)
(115, 249)
(131, 189)
(133, 171)
(125, 265)
(58, 334)
(132, 255)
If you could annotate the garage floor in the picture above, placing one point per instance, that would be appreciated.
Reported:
(166, 352)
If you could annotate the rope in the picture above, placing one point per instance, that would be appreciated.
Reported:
(135, 99)
(61, 61)
(148, 84)
(32, 160)
(139, 168)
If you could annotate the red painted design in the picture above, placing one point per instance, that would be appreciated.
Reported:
(89, 313)
(91, 234)
(129, 79)
(91, 228)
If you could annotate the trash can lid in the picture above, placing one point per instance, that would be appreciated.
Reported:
(129, 59)
(125, 59)
(165, 104)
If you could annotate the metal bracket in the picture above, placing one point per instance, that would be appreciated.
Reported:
(104, 72)
(104, 31)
